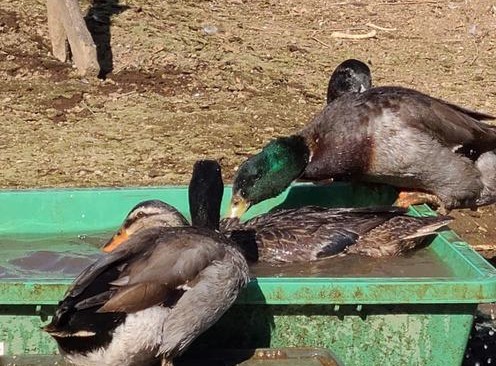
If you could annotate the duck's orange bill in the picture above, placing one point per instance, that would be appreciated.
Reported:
(116, 240)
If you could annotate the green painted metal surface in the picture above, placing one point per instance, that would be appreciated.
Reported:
(94, 210)
(372, 335)
(247, 357)
(405, 320)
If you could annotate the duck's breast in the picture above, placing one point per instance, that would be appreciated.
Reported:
(134, 342)
(340, 141)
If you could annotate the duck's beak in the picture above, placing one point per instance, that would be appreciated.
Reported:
(116, 240)
(238, 206)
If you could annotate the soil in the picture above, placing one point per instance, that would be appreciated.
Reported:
(183, 80)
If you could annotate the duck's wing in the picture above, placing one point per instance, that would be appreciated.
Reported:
(173, 266)
(310, 232)
(153, 267)
(450, 124)
(75, 314)
(303, 243)
(315, 212)
(480, 116)
(346, 122)
(150, 265)
(398, 235)
(136, 243)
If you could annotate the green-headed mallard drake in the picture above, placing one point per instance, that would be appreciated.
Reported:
(433, 151)
(349, 76)
(153, 294)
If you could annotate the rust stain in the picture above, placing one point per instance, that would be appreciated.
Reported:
(270, 355)
(326, 361)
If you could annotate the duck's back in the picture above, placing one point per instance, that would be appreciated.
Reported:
(401, 137)
(307, 233)
(448, 123)
(351, 129)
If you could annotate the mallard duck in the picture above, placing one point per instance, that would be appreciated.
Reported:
(433, 151)
(153, 294)
(310, 233)
(354, 76)
(349, 76)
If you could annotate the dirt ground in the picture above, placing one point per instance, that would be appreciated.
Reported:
(192, 79)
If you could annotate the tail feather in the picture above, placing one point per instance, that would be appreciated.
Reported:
(398, 235)
(480, 116)
(429, 226)
(486, 164)
(66, 334)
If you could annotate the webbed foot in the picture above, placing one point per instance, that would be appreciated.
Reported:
(408, 198)
(166, 362)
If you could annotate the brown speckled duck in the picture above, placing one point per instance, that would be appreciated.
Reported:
(311, 233)
(154, 293)
(432, 150)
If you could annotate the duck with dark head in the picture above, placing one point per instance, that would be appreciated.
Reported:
(391, 135)
(156, 291)
(306, 233)
(350, 76)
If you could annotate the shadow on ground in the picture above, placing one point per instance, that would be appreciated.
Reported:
(98, 21)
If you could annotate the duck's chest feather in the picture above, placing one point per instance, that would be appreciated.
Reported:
(134, 342)
(341, 141)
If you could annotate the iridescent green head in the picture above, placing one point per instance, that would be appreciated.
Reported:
(268, 173)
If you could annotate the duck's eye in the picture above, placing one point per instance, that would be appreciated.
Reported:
(140, 214)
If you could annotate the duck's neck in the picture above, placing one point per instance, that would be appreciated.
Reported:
(204, 214)
(205, 194)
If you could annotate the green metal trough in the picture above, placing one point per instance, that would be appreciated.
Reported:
(364, 320)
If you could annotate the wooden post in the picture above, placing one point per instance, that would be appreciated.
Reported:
(56, 30)
(65, 21)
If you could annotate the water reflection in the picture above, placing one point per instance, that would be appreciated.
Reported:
(59, 257)
(48, 257)
(423, 263)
